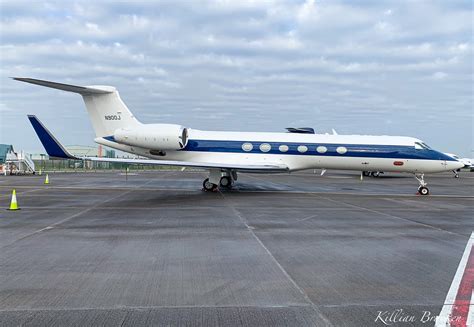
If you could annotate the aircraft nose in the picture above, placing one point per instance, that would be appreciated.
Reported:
(453, 165)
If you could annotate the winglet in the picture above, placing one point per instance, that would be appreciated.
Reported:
(50, 143)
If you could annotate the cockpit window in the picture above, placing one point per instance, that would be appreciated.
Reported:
(422, 145)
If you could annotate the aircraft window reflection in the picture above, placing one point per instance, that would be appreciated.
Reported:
(302, 148)
(265, 147)
(321, 149)
(341, 150)
(421, 145)
(283, 148)
(247, 147)
(426, 146)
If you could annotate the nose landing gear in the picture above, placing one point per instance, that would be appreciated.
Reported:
(422, 189)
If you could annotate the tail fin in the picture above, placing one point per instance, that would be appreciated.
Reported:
(104, 106)
(51, 145)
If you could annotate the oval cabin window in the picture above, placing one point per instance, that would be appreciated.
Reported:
(302, 148)
(265, 147)
(321, 149)
(341, 150)
(283, 148)
(247, 147)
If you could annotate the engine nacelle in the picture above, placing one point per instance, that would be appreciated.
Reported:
(154, 136)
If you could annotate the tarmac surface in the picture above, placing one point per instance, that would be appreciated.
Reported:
(95, 249)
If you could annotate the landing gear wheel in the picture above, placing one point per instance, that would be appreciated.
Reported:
(456, 176)
(366, 173)
(225, 182)
(423, 190)
(375, 174)
(208, 186)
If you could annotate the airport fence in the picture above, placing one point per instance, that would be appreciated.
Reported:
(53, 165)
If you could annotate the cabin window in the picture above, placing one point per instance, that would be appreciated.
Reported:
(302, 148)
(247, 147)
(421, 145)
(321, 149)
(283, 148)
(341, 150)
(265, 147)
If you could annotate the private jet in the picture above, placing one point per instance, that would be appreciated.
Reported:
(225, 154)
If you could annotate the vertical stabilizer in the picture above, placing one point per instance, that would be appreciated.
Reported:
(108, 112)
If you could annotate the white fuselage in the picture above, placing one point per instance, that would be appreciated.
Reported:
(303, 151)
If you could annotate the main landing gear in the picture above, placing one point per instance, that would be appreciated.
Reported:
(422, 189)
(219, 179)
(208, 186)
(372, 173)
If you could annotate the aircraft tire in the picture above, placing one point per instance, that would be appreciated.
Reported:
(225, 182)
(208, 186)
(423, 190)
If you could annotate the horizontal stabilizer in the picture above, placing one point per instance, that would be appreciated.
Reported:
(51, 145)
(83, 90)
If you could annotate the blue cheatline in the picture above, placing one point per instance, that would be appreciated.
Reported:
(353, 150)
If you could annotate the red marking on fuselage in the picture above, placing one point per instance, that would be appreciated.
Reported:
(460, 310)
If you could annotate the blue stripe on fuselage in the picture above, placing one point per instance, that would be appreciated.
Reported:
(353, 150)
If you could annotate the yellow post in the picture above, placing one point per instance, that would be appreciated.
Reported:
(13, 203)
(46, 181)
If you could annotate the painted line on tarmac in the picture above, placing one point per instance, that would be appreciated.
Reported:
(237, 191)
(63, 220)
(303, 293)
(19, 193)
(458, 308)
(74, 215)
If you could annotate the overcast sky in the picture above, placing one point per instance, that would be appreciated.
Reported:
(360, 67)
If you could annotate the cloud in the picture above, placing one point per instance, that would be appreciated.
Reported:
(365, 67)
(439, 75)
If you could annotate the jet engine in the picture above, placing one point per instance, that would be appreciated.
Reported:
(154, 136)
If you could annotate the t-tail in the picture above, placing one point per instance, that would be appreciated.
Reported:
(104, 105)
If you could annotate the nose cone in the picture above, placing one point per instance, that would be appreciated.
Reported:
(453, 165)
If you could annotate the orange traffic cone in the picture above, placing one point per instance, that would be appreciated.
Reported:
(13, 203)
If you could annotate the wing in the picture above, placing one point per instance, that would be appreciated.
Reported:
(253, 167)
(56, 150)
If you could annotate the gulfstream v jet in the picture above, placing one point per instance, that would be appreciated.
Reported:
(225, 154)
